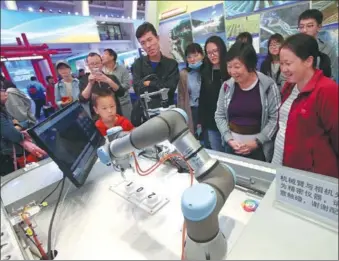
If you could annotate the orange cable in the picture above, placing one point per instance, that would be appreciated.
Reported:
(154, 167)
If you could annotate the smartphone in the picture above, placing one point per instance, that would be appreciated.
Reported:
(96, 71)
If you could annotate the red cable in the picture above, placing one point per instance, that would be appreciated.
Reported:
(35, 237)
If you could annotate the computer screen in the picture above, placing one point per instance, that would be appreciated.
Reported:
(71, 139)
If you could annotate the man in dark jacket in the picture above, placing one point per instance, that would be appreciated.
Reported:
(154, 71)
(97, 80)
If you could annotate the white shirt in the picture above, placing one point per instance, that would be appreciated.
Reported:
(68, 86)
(283, 118)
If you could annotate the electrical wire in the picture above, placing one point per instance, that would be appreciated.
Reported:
(37, 243)
(32, 241)
(154, 167)
(50, 194)
(50, 252)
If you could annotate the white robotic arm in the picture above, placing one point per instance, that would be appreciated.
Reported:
(200, 203)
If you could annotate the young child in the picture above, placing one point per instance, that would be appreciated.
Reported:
(105, 106)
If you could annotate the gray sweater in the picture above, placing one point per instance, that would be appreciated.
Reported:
(270, 101)
(18, 105)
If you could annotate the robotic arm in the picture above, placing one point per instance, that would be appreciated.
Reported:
(200, 203)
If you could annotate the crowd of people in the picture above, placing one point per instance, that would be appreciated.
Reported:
(285, 113)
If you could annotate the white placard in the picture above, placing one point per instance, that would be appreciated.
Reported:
(309, 192)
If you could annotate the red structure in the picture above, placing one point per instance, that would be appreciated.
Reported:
(25, 49)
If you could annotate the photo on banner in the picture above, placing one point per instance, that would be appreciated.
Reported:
(283, 21)
(329, 34)
(207, 22)
(175, 34)
(329, 8)
(239, 8)
(243, 24)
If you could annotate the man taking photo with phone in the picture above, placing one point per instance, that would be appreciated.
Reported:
(97, 80)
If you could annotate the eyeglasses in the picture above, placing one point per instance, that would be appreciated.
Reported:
(214, 52)
(275, 45)
(94, 64)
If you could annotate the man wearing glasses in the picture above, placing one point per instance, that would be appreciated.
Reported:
(97, 80)
(310, 23)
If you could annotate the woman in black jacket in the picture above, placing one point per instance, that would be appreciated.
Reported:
(271, 65)
(213, 75)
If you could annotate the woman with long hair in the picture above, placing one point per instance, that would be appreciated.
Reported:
(213, 75)
(271, 65)
(190, 83)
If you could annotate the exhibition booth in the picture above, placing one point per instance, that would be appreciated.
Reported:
(155, 192)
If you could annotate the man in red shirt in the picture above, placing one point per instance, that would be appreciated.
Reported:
(105, 106)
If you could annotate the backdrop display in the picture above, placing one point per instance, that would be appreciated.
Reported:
(207, 22)
(47, 27)
(243, 24)
(329, 8)
(239, 8)
(283, 21)
(329, 34)
(175, 35)
(260, 18)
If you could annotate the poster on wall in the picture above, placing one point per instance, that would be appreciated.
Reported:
(175, 34)
(329, 8)
(243, 24)
(239, 8)
(283, 21)
(329, 34)
(207, 22)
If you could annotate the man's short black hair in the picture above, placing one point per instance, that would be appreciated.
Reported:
(245, 52)
(245, 37)
(145, 28)
(48, 77)
(312, 14)
(112, 53)
(81, 70)
(92, 54)
(33, 78)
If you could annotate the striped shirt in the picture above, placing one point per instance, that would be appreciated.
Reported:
(283, 118)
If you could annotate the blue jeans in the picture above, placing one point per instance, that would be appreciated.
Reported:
(214, 140)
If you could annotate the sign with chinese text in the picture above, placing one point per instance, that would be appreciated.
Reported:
(308, 192)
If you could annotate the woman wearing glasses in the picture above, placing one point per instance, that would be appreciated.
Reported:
(213, 75)
(271, 65)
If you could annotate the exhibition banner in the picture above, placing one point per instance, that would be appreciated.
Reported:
(47, 28)
(283, 21)
(175, 34)
(243, 24)
(240, 8)
(207, 22)
(329, 8)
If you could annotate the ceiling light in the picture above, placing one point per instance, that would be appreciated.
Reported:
(122, 16)
(103, 22)
(30, 9)
(112, 15)
(106, 16)
(69, 13)
(76, 13)
(59, 12)
(50, 10)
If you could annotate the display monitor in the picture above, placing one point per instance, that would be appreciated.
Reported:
(71, 139)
